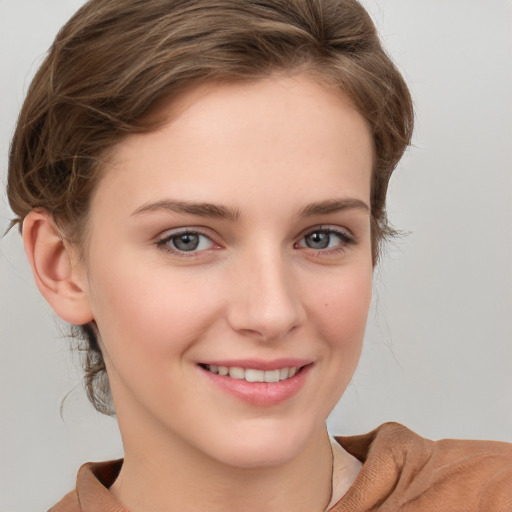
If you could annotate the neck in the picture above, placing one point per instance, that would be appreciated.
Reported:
(179, 479)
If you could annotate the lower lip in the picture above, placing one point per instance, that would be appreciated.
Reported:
(263, 394)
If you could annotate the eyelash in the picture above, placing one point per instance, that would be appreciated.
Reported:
(164, 243)
(345, 241)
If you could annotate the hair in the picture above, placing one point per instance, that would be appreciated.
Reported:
(113, 62)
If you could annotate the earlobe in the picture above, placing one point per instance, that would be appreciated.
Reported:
(55, 269)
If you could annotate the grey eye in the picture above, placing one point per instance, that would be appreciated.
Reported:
(186, 241)
(318, 240)
(322, 239)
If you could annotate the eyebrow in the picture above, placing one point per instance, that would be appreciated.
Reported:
(187, 207)
(232, 214)
(333, 206)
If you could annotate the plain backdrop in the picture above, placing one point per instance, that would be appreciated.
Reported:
(438, 350)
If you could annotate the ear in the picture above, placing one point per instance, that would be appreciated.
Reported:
(56, 268)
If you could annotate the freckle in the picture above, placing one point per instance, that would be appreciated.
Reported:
(326, 304)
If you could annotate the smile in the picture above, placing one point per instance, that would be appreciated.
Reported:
(251, 374)
(256, 382)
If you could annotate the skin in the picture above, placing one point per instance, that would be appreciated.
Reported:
(253, 289)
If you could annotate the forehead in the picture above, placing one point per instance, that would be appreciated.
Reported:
(231, 142)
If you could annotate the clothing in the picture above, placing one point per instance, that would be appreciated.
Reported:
(402, 472)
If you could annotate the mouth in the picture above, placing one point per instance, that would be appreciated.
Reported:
(253, 374)
(259, 383)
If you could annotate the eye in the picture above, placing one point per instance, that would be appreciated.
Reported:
(325, 239)
(186, 241)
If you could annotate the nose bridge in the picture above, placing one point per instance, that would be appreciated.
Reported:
(267, 304)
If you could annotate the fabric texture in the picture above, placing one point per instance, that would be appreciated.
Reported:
(401, 472)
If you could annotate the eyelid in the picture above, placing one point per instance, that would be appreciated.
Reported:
(329, 228)
(182, 229)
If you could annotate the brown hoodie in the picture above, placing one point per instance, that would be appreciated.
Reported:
(402, 472)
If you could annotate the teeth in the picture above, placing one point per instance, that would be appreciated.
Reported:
(272, 376)
(237, 373)
(252, 375)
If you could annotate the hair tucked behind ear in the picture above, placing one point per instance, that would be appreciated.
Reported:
(115, 60)
(95, 379)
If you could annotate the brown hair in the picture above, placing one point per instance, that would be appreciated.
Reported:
(113, 61)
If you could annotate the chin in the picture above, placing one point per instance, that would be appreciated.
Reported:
(262, 444)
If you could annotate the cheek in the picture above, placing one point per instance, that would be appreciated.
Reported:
(151, 312)
(339, 320)
(342, 309)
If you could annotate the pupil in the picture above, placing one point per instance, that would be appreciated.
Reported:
(186, 242)
(318, 240)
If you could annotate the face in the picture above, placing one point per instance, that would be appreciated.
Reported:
(229, 269)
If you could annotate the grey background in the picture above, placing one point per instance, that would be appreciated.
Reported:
(438, 353)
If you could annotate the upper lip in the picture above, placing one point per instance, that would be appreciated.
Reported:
(259, 364)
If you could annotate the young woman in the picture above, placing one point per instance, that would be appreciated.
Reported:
(201, 189)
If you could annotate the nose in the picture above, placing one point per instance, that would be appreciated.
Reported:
(266, 303)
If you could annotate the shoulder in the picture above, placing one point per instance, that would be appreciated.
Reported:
(69, 503)
(91, 493)
(407, 471)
